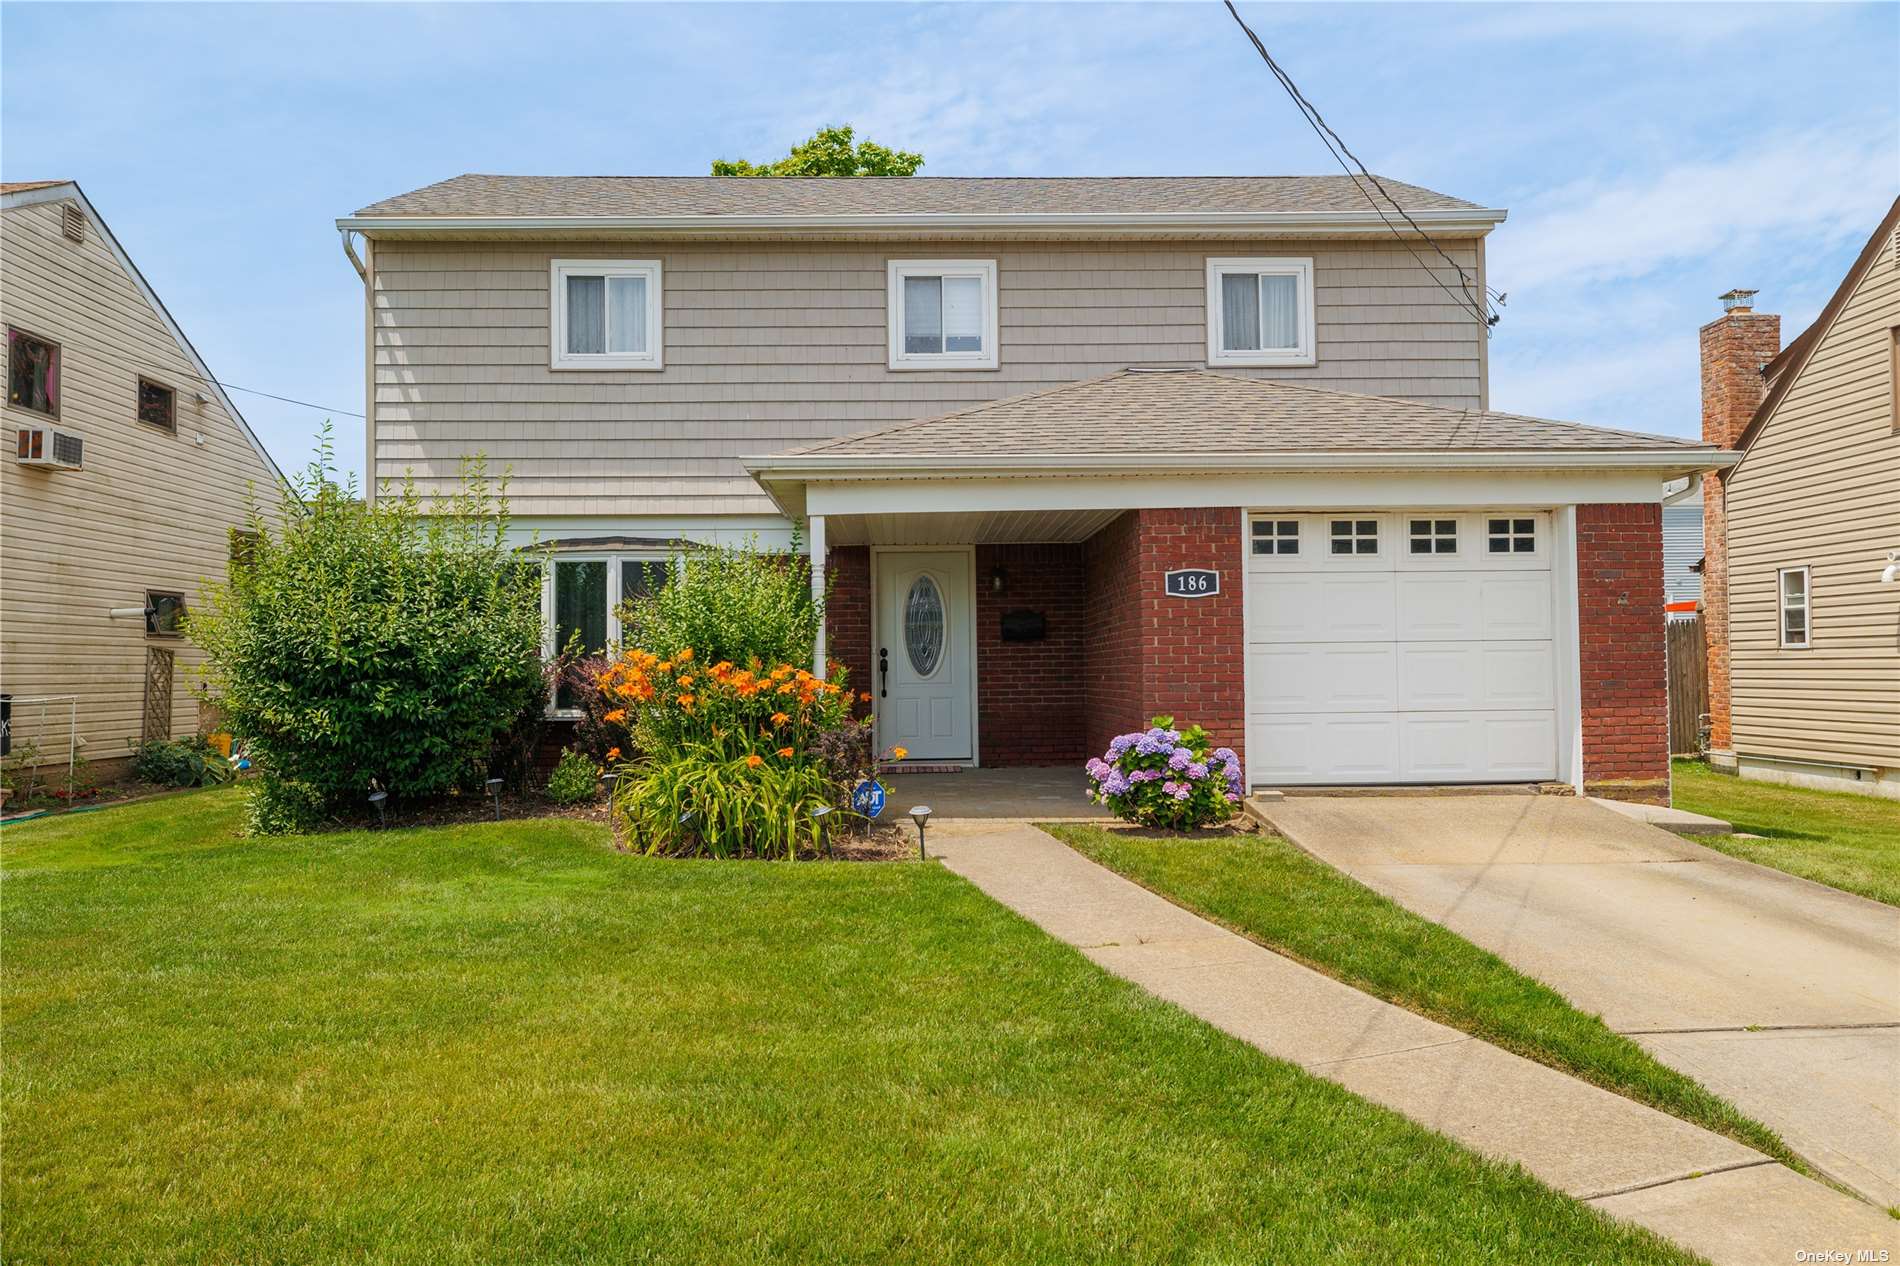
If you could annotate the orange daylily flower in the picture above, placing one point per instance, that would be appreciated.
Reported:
(613, 753)
(686, 680)
(753, 762)
(864, 696)
(780, 718)
(899, 753)
(685, 656)
(618, 714)
(785, 752)
(686, 701)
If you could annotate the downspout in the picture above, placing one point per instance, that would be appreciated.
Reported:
(365, 269)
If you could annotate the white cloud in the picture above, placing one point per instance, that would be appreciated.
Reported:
(1813, 190)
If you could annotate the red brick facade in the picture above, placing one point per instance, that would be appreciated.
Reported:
(848, 614)
(1149, 654)
(1622, 659)
(1029, 695)
(1733, 351)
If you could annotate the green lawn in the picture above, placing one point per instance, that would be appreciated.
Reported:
(1832, 837)
(505, 1042)
(1263, 887)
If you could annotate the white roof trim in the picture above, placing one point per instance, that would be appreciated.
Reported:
(1304, 223)
(71, 190)
(787, 466)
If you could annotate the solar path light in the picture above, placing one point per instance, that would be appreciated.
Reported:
(920, 814)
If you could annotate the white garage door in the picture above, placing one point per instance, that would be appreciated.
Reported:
(1400, 647)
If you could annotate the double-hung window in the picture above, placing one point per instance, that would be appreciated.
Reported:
(1796, 605)
(605, 314)
(583, 596)
(1260, 312)
(942, 313)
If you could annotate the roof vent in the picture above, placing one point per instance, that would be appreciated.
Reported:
(1739, 301)
(72, 222)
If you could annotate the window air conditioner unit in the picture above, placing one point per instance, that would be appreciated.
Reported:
(50, 447)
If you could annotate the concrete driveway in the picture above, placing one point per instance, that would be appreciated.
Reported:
(1781, 995)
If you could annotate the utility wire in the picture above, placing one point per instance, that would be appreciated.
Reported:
(321, 408)
(1337, 147)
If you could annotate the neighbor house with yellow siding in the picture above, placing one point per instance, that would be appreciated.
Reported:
(1801, 597)
(132, 470)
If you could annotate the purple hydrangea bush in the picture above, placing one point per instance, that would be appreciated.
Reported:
(1167, 777)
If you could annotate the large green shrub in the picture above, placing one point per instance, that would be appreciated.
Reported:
(730, 603)
(389, 643)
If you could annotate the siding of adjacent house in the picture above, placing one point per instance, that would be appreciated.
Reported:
(1682, 550)
(1820, 487)
(774, 346)
(151, 510)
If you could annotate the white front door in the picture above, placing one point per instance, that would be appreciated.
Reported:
(1411, 647)
(922, 671)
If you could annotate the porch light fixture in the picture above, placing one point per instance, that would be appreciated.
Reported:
(377, 799)
(1892, 570)
(920, 814)
(494, 794)
(999, 576)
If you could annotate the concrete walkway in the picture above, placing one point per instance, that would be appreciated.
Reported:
(1706, 1192)
(1778, 994)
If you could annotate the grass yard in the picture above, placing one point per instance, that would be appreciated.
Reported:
(506, 1042)
(1832, 837)
(1265, 888)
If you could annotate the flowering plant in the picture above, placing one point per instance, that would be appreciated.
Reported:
(729, 760)
(1167, 777)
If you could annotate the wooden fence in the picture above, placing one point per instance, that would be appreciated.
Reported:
(1688, 685)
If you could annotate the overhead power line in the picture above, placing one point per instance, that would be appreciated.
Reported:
(271, 395)
(1338, 149)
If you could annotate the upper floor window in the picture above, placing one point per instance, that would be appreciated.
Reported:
(158, 405)
(606, 314)
(1794, 607)
(942, 314)
(32, 373)
(1260, 312)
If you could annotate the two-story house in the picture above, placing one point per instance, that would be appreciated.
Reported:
(132, 469)
(1070, 453)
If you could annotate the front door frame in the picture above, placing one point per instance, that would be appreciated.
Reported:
(976, 668)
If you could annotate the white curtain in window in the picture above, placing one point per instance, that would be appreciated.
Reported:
(923, 314)
(1240, 312)
(1279, 310)
(586, 314)
(962, 314)
(626, 314)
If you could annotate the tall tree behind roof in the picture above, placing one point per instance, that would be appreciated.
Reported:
(829, 152)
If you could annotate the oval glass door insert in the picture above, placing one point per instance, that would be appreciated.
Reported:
(923, 626)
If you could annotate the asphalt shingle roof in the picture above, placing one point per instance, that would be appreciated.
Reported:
(1136, 413)
(631, 196)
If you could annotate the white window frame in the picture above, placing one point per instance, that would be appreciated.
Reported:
(1354, 536)
(1299, 269)
(560, 358)
(982, 269)
(1273, 537)
(1431, 536)
(1805, 606)
(614, 563)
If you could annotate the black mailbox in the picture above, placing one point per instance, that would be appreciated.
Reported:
(1024, 626)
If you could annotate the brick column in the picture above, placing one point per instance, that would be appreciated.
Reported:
(1623, 657)
(1149, 654)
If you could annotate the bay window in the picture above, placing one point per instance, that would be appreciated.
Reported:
(582, 596)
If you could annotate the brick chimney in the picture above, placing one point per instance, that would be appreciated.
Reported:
(1734, 349)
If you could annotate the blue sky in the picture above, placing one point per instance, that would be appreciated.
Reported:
(1651, 156)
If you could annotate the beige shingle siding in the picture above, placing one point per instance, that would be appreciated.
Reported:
(150, 511)
(777, 346)
(1820, 487)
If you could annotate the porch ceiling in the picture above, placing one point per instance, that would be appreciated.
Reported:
(967, 528)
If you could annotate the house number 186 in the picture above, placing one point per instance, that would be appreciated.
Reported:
(1193, 583)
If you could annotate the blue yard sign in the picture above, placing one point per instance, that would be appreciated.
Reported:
(867, 798)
